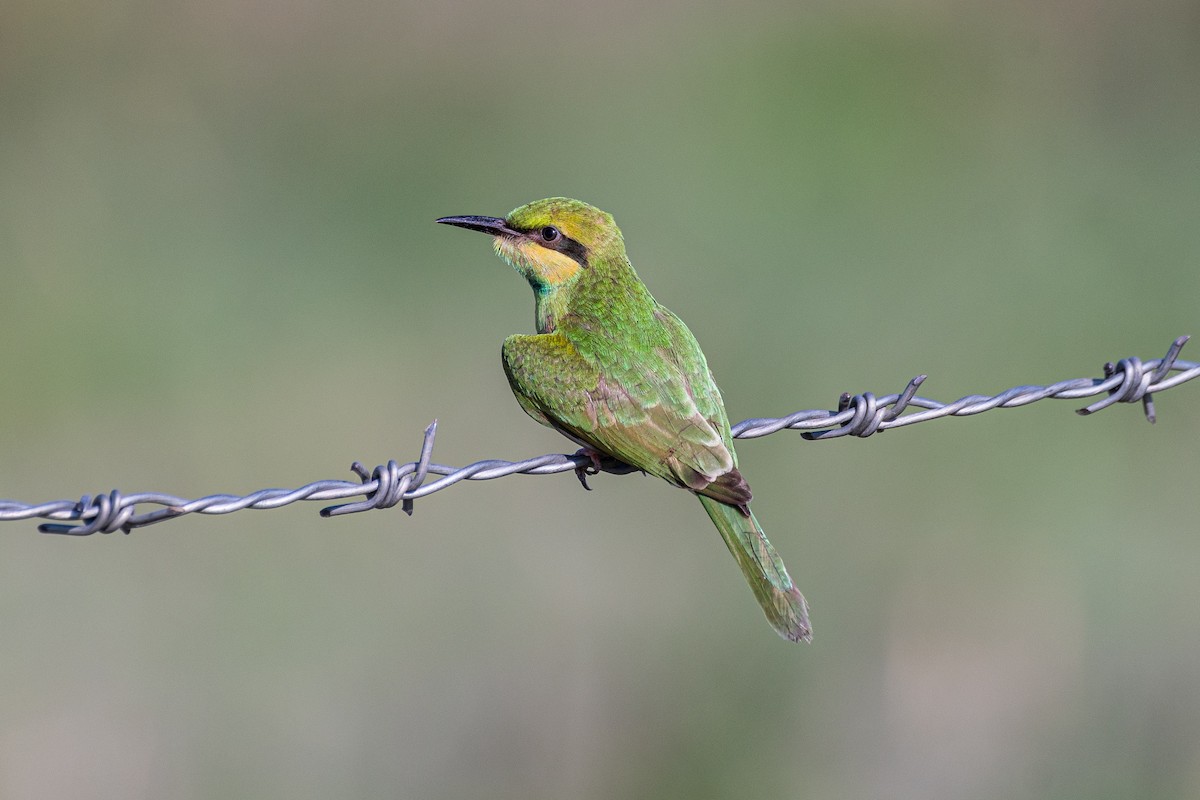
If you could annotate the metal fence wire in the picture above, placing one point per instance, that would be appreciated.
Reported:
(1127, 381)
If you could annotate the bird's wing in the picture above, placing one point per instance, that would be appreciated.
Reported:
(654, 407)
(694, 367)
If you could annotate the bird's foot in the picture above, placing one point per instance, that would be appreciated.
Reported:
(589, 469)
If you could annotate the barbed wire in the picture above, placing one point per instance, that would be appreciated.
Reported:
(1127, 381)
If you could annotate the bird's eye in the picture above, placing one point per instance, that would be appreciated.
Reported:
(550, 234)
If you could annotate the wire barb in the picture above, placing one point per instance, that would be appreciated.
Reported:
(1131, 382)
(390, 483)
(1128, 380)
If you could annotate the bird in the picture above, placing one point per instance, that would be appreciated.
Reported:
(624, 378)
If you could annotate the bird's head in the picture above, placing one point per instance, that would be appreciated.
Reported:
(551, 241)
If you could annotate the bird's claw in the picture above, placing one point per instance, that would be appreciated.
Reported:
(587, 469)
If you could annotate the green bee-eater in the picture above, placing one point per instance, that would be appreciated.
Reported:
(622, 376)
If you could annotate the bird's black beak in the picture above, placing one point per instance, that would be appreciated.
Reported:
(493, 225)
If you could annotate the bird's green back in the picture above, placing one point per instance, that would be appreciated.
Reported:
(610, 366)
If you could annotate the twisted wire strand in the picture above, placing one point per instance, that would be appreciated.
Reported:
(1127, 381)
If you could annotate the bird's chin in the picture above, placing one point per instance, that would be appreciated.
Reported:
(512, 255)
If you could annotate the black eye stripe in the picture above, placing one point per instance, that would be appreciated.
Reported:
(560, 242)
(572, 248)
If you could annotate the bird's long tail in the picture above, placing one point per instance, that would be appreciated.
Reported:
(781, 601)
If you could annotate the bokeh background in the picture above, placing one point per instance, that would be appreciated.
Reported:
(220, 273)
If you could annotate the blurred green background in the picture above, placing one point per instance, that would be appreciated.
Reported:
(221, 273)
